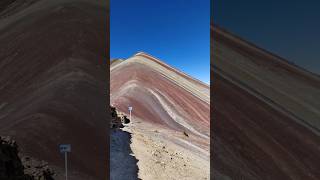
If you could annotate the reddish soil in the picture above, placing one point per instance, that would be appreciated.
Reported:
(147, 107)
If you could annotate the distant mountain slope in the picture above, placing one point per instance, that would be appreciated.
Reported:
(115, 62)
(53, 82)
(161, 94)
(266, 113)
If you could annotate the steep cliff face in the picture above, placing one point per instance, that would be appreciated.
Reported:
(53, 79)
(265, 113)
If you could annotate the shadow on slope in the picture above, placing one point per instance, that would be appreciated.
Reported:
(53, 82)
(123, 165)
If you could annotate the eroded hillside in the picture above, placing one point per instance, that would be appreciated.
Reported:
(53, 82)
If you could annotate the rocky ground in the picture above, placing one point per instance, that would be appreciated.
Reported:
(117, 119)
(140, 150)
(161, 157)
(16, 166)
(122, 162)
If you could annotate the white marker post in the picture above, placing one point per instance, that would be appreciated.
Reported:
(130, 109)
(65, 148)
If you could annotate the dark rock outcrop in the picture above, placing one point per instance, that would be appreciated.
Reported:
(118, 118)
(15, 166)
(10, 164)
(37, 169)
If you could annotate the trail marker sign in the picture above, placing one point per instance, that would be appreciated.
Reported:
(65, 148)
(130, 109)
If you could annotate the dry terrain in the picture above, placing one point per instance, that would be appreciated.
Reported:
(169, 129)
(266, 114)
(53, 82)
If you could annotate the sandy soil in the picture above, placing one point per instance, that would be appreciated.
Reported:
(160, 156)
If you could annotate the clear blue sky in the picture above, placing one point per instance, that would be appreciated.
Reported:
(175, 31)
(290, 29)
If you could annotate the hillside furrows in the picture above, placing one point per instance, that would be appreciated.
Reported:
(157, 99)
(255, 133)
(53, 83)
